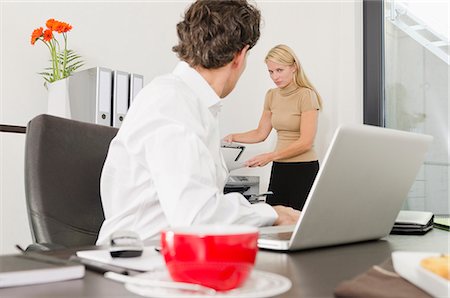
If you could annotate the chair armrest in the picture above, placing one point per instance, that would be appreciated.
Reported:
(44, 247)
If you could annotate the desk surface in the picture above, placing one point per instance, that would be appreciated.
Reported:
(314, 273)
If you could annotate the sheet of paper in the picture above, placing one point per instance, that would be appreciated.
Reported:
(150, 259)
(230, 155)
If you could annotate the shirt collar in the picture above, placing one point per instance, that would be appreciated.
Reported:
(289, 89)
(199, 86)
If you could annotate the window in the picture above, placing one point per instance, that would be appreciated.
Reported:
(411, 76)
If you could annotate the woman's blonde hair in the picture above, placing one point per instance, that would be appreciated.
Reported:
(284, 55)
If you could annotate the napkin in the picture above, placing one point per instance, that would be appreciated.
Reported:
(380, 281)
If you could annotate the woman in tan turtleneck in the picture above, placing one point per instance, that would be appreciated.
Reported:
(292, 109)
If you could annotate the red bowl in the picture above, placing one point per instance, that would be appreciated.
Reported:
(219, 257)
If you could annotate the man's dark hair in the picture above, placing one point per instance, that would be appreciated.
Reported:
(213, 31)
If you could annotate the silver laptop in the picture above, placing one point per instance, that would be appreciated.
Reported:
(362, 183)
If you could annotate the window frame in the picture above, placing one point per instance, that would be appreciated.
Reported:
(373, 62)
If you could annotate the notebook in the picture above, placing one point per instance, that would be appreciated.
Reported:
(33, 268)
(361, 185)
(409, 222)
(442, 222)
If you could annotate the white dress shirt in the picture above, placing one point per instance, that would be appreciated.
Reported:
(165, 168)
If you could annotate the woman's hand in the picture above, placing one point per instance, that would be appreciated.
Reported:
(228, 138)
(260, 160)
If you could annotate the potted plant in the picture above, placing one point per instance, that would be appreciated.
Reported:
(63, 63)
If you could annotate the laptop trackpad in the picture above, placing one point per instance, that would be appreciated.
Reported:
(276, 229)
(276, 232)
(283, 236)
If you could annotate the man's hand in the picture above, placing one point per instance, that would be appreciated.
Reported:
(286, 215)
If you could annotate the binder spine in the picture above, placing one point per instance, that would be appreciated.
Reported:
(104, 97)
(120, 97)
(136, 84)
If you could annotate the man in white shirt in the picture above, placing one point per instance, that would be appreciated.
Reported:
(164, 168)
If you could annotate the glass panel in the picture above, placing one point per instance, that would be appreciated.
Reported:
(417, 91)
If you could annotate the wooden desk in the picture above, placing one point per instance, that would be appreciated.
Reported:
(314, 273)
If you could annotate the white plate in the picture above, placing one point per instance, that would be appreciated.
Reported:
(407, 265)
(259, 284)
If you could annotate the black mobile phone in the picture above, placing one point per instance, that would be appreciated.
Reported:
(125, 244)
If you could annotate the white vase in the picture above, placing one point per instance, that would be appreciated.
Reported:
(58, 99)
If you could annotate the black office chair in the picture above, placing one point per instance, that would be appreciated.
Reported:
(63, 163)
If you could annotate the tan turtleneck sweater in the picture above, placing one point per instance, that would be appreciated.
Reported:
(287, 105)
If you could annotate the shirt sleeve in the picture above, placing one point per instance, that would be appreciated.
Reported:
(185, 178)
(308, 101)
(268, 101)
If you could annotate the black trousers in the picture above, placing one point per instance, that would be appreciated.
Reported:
(291, 183)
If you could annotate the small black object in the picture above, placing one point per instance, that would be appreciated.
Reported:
(125, 244)
(239, 189)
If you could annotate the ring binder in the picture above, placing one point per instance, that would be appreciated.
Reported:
(120, 97)
(90, 95)
(102, 96)
(136, 84)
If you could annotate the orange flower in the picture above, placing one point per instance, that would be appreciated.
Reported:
(67, 27)
(61, 27)
(36, 34)
(50, 24)
(58, 26)
(48, 35)
(63, 61)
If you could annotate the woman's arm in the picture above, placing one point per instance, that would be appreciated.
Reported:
(308, 129)
(256, 135)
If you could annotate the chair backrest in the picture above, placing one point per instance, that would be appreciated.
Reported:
(63, 163)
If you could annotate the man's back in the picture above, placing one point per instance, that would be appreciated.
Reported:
(129, 194)
(165, 167)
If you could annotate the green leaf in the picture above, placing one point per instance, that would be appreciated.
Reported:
(66, 62)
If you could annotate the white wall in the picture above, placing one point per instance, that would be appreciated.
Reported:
(137, 37)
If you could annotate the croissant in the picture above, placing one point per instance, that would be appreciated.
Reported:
(438, 265)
